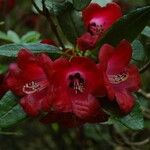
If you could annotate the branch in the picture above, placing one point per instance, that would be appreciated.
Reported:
(145, 67)
(143, 93)
(130, 143)
(125, 140)
(36, 7)
(45, 12)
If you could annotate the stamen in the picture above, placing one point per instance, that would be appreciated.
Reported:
(34, 86)
(116, 79)
(78, 87)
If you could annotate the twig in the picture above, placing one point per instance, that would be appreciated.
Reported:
(45, 12)
(11, 133)
(143, 93)
(129, 143)
(145, 67)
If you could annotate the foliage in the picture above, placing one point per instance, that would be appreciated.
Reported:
(65, 16)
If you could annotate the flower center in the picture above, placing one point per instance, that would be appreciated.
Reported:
(96, 29)
(116, 79)
(76, 83)
(34, 86)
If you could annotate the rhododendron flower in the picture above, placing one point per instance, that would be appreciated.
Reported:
(27, 79)
(121, 77)
(97, 20)
(76, 83)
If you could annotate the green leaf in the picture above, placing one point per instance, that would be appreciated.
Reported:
(146, 31)
(71, 23)
(128, 27)
(30, 37)
(11, 50)
(138, 50)
(3, 68)
(101, 2)
(13, 36)
(3, 36)
(80, 4)
(10, 112)
(54, 6)
(134, 120)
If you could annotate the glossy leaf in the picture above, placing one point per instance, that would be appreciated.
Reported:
(134, 120)
(146, 31)
(13, 36)
(3, 36)
(138, 50)
(128, 27)
(101, 2)
(80, 4)
(54, 6)
(10, 112)
(71, 23)
(30, 37)
(11, 50)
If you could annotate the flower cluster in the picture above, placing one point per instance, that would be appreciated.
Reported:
(69, 90)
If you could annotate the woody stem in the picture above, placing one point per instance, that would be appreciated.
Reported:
(45, 12)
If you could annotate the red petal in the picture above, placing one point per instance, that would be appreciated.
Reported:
(133, 82)
(87, 41)
(30, 68)
(35, 103)
(89, 12)
(46, 64)
(105, 53)
(62, 101)
(24, 58)
(87, 107)
(120, 59)
(109, 87)
(102, 15)
(125, 101)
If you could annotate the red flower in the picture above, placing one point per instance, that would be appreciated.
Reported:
(76, 83)
(121, 77)
(97, 20)
(27, 79)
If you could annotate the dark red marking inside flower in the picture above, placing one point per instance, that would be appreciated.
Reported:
(76, 82)
(96, 29)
